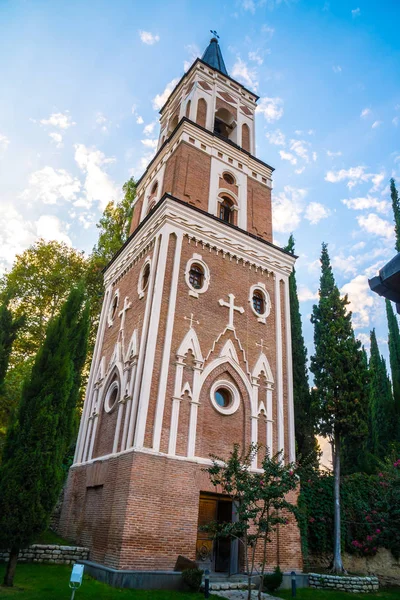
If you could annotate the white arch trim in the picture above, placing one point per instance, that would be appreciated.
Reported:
(229, 350)
(190, 342)
(132, 350)
(116, 370)
(262, 364)
(228, 360)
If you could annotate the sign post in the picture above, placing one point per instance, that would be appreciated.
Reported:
(76, 579)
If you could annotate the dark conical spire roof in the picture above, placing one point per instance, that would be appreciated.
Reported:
(213, 56)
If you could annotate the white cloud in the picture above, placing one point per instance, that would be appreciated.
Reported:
(304, 294)
(345, 264)
(299, 171)
(395, 121)
(150, 143)
(50, 228)
(364, 339)
(148, 129)
(243, 73)
(377, 180)
(98, 185)
(271, 108)
(287, 208)
(160, 99)
(139, 120)
(268, 30)
(376, 226)
(354, 176)
(367, 203)
(315, 212)
(361, 300)
(276, 137)
(287, 156)
(249, 5)
(102, 122)
(57, 138)
(148, 38)
(333, 154)
(376, 124)
(356, 12)
(365, 112)
(60, 120)
(358, 246)
(4, 142)
(337, 69)
(300, 147)
(255, 56)
(50, 185)
(194, 52)
(16, 235)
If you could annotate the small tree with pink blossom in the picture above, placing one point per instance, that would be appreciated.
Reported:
(260, 497)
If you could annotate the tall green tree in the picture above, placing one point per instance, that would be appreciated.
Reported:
(339, 373)
(382, 410)
(396, 211)
(394, 354)
(31, 473)
(307, 447)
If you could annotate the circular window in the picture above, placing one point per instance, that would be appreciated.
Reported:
(197, 275)
(112, 395)
(229, 178)
(144, 277)
(225, 397)
(112, 311)
(260, 302)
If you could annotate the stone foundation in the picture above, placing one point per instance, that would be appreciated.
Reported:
(361, 585)
(43, 553)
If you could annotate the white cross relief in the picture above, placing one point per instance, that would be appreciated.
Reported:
(192, 320)
(123, 311)
(232, 308)
(261, 345)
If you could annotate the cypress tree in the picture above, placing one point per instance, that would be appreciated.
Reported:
(382, 413)
(396, 212)
(31, 474)
(394, 354)
(304, 419)
(8, 333)
(339, 377)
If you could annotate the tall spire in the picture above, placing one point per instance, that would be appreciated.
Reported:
(213, 55)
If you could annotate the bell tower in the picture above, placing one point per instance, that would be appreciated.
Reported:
(193, 351)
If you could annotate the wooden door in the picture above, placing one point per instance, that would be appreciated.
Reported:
(205, 546)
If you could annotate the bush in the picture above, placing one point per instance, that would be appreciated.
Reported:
(192, 578)
(273, 580)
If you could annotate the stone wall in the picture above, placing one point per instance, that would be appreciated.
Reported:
(345, 584)
(44, 553)
(383, 565)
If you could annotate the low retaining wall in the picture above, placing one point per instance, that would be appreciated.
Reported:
(345, 584)
(44, 553)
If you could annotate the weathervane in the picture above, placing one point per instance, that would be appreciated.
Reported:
(215, 34)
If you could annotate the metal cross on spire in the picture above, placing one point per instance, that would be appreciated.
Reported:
(215, 34)
(232, 308)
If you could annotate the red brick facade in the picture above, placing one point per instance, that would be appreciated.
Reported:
(151, 419)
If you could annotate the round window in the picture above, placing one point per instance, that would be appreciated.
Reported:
(260, 302)
(229, 178)
(197, 275)
(223, 397)
(112, 311)
(111, 396)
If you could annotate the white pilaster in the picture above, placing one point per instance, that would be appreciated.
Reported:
(289, 368)
(149, 349)
(270, 438)
(279, 364)
(194, 408)
(167, 345)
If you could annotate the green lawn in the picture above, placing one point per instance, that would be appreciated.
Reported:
(310, 594)
(50, 582)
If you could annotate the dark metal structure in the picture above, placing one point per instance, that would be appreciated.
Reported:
(387, 282)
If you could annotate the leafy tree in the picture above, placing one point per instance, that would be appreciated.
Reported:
(338, 368)
(260, 499)
(396, 211)
(31, 473)
(382, 410)
(307, 446)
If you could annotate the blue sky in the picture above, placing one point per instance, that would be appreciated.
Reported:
(81, 83)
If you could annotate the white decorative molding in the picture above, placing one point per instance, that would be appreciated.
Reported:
(141, 288)
(242, 350)
(279, 366)
(262, 365)
(229, 350)
(289, 367)
(234, 405)
(111, 311)
(232, 309)
(115, 386)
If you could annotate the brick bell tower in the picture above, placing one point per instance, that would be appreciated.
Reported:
(193, 351)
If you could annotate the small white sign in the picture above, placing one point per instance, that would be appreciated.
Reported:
(77, 574)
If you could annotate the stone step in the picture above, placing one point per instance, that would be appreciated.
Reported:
(215, 586)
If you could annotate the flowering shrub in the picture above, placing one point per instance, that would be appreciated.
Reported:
(370, 512)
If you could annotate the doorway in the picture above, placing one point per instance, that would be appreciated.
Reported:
(219, 555)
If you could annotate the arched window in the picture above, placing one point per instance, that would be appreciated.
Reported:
(196, 276)
(188, 105)
(258, 302)
(246, 137)
(224, 123)
(154, 189)
(226, 210)
(172, 124)
(201, 117)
